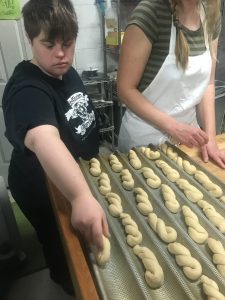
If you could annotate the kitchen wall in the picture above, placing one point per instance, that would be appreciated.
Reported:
(89, 46)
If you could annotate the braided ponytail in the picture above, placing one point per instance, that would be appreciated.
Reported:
(182, 47)
(212, 13)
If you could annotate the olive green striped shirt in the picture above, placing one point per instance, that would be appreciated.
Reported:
(154, 18)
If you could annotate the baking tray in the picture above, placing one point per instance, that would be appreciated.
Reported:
(124, 268)
(183, 155)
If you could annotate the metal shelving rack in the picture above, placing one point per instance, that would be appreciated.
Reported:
(99, 88)
(123, 9)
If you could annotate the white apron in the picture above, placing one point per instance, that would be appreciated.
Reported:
(173, 91)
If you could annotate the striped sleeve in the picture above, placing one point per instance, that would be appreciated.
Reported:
(145, 17)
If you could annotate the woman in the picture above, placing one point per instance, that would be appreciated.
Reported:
(166, 75)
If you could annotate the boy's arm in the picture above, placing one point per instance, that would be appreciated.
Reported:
(87, 215)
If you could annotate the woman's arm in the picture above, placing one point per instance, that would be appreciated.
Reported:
(58, 163)
(206, 112)
(135, 52)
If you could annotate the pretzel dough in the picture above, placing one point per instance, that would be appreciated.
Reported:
(151, 178)
(211, 289)
(104, 183)
(170, 173)
(134, 236)
(191, 266)
(150, 154)
(143, 203)
(212, 215)
(95, 167)
(127, 179)
(103, 256)
(183, 163)
(154, 275)
(218, 255)
(213, 188)
(166, 233)
(115, 207)
(170, 198)
(195, 230)
(134, 160)
(190, 191)
(115, 163)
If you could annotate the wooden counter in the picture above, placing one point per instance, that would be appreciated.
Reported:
(194, 154)
(83, 281)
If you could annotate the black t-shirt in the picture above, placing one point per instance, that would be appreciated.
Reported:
(32, 98)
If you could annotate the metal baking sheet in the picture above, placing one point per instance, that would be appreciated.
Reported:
(124, 269)
(211, 176)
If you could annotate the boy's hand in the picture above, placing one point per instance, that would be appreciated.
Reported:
(89, 219)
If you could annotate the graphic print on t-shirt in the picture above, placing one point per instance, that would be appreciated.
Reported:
(79, 110)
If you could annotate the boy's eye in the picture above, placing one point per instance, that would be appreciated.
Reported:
(49, 45)
(67, 44)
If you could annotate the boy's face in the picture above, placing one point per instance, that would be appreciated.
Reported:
(52, 57)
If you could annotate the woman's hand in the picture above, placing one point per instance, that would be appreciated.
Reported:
(188, 135)
(211, 150)
(89, 219)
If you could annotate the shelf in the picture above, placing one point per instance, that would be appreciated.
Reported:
(110, 128)
(92, 80)
(113, 49)
(102, 103)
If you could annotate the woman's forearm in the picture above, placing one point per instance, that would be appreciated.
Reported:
(206, 111)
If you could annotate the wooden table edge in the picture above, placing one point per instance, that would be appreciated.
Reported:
(81, 276)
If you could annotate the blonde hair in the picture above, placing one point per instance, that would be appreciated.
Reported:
(212, 14)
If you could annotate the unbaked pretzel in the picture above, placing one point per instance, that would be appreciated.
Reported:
(170, 198)
(115, 207)
(195, 230)
(211, 289)
(191, 266)
(95, 167)
(134, 236)
(218, 255)
(154, 275)
(143, 203)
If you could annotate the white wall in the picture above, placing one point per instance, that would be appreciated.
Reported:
(89, 46)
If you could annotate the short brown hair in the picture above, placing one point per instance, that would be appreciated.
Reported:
(57, 19)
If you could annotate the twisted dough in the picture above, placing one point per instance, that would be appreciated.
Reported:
(127, 179)
(170, 173)
(103, 256)
(95, 167)
(190, 191)
(191, 266)
(211, 289)
(154, 275)
(183, 163)
(134, 236)
(143, 203)
(134, 160)
(170, 198)
(150, 154)
(115, 207)
(213, 188)
(212, 215)
(166, 233)
(104, 183)
(151, 178)
(115, 163)
(218, 255)
(195, 230)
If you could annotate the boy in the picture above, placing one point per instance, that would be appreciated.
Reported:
(50, 121)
